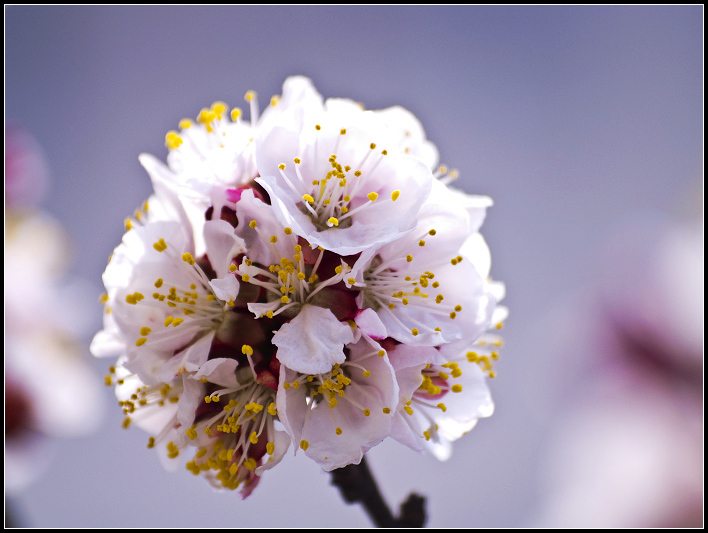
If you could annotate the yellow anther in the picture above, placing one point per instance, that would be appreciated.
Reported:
(172, 139)
(235, 113)
(453, 315)
(233, 469)
(168, 320)
(145, 331)
(367, 373)
(273, 239)
(297, 161)
(126, 422)
(245, 278)
(177, 321)
(421, 243)
(308, 198)
(492, 374)
(414, 331)
(108, 380)
(386, 410)
(250, 464)
(443, 375)
(296, 384)
(333, 221)
(439, 298)
(384, 152)
(457, 388)
(246, 349)
(499, 326)
(272, 411)
(141, 341)
(367, 412)
(253, 438)
(408, 409)
(304, 444)
(151, 442)
(381, 353)
(458, 308)
(252, 224)
(158, 283)
(191, 434)
(250, 95)
(288, 231)
(372, 145)
(343, 131)
(318, 127)
(338, 431)
(372, 196)
(338, 269)
(187, 258)
(426, 433)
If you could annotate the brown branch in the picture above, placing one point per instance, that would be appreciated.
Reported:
(357, 485)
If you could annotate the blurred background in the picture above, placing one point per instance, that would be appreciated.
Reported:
(584, 124)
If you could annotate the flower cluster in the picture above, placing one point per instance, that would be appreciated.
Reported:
(303, 278)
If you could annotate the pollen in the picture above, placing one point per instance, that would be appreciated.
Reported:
(372, 196)
(304, 444)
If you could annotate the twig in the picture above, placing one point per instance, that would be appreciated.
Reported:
(357, 485)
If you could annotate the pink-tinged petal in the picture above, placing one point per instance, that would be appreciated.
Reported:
(219, 371)
(189, 359)
(281, 443)
(313, 341)
(361, 418)
(292, 406)
(260, 249)
(370, 324)
(192, 397)
(226, 288)
(222, 245)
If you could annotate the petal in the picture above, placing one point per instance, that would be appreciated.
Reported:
(226, 289)
(222, 245)
(313, 341)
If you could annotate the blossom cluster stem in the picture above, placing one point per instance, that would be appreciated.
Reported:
(357, 485)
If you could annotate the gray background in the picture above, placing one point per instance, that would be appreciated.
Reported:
(572, 119)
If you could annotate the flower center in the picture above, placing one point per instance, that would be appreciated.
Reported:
(333, 199)
(232, 440)
(291, 282)
(391, 284)
(191, 303)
